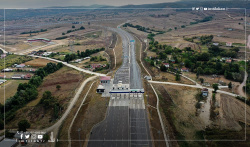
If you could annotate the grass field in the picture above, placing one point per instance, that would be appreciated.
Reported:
(10, 89)
(92, 112)
(13, 59)
(38, 62)
(68, 79)
(94, 34)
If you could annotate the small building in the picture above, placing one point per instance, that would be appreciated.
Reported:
(47, 53)
(86, 58)
(166, 65)
(172, 61)
(2, 76)
(185, 69)
(20, 66)
(3, 56)
(229, 44)
(17, 76)
(204, 92)
(215, 44)
(7, 70)
(28, 76)
(148, 77)
(94, 66)
(32, 70)
(2, 81)
(228, 60)
(100, 89)
(105, 79)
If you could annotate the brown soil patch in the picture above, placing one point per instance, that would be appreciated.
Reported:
(38, 62)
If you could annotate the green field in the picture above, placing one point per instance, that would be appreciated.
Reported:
(10, 89)
(13, 59)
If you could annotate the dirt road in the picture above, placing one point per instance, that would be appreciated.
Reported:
(240, 88)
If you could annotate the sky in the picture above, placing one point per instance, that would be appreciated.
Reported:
(49, 3)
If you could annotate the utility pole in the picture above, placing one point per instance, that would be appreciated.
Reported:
(79, 129)
(71, 42)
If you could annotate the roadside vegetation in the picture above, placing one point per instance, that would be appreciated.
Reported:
(31, 32)
(143, 29)
(73, 30)
(87, 53)
(27, 92)
(216, 61)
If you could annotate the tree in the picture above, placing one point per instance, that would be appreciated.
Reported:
(230, 85)
(188, 63)
(59, 65)
(215, 87)
(202, 80)
(78, 53)
(163, 68)
(23, 125)
(152, 63)
(58, 87)
(36, 81)
(82, 28)
(63, 33)
(177, 76)
(47, 100)
(1, 125)
(73, 27)
(199, 71)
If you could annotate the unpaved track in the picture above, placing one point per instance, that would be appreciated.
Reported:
(72, 122)
(240, 88)
(72, 103)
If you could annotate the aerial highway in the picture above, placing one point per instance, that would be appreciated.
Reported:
(126, 123)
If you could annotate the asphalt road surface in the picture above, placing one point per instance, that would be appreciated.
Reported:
(126, 123)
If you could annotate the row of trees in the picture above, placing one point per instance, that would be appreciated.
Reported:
(97, 59)
(30, 32)
(143, 29)
(73, 56)
(73, 30)
(217, 51)
(208, 18)
(27, 91)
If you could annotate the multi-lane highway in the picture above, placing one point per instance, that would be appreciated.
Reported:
(126, 123)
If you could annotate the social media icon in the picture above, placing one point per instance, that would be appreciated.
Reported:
(33, 136)
(40, 136)
(27, 136)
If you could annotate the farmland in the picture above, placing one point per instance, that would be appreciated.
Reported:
(13, 59)
(10, 88)
(42, 118)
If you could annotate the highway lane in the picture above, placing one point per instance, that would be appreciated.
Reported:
(135, 74)
(114, 130)
(126, 123)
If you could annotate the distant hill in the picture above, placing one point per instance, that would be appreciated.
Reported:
(91, 6)
(195, 3)
(19, 14)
